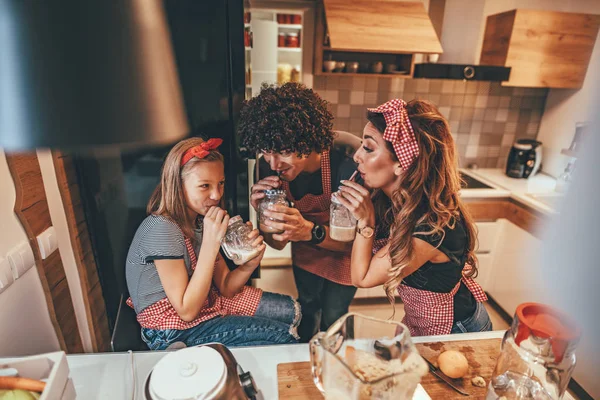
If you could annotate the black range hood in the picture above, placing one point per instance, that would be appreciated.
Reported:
(462, 71)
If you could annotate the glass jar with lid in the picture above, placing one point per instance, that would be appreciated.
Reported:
(342, 224)
(537, 356)
(237, 244)
(272, 197)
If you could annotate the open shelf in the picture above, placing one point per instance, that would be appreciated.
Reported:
(290, 49)
(365, 74)
(290, 26)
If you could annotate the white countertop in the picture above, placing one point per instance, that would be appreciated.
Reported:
(517, 189)
(112, 375)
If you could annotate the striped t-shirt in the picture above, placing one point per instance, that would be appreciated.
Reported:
(157, 238)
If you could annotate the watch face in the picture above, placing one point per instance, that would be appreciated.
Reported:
(367, 231)
(319, 232)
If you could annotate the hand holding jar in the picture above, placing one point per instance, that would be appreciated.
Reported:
(241, 243)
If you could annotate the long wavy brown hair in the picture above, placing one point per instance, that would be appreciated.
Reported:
(168, 198)
(428, 192)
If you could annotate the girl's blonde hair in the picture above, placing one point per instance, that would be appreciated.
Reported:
(168, 198)
(428, 192)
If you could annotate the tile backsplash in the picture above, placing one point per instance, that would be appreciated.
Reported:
(485, 118)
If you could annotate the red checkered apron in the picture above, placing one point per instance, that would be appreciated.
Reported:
(431, 313)
(331, 265)
(161, 315)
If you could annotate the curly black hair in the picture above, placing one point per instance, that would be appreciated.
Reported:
(290, 118)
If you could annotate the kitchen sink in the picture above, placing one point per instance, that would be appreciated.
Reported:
(552, 200)
(471, 183)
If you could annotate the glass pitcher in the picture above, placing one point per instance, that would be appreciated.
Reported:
(236, 244)
(537, 357)
(365, 358)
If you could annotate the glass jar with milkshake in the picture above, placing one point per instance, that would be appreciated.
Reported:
(272, 197)
(237, 244)
(342, 224)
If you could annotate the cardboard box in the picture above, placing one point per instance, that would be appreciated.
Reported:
(51, 368)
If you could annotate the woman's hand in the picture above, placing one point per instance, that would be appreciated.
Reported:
(268, 183)
(295, 228)
(357, 200)
(215, 224)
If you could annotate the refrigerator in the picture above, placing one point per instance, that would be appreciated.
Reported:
(208, 41)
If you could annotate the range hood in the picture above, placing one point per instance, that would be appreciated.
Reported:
(462, 72)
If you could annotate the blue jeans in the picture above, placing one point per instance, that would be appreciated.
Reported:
(323, 302)
(478, 322)
(275, 322)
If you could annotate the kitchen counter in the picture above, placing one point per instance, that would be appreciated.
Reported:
(113, 375)
(534, 192)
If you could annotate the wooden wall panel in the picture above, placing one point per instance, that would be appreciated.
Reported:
(32, 210)
(95, 307)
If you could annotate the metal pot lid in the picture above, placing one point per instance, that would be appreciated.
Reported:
(193, 373)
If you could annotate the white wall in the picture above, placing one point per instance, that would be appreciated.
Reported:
(25, 326)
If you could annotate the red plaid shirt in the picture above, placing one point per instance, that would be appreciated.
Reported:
(161, 315)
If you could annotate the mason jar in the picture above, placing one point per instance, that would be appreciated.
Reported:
(342, 224)
(237, 245)
(537, 356)
(272, 197)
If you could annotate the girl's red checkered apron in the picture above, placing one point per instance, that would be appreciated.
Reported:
(331, 265)
(161, 315)
(431, 313)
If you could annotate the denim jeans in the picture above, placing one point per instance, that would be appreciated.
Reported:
(275, 322)
(478, 322)
(323, 302)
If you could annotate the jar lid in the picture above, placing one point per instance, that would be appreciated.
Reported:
(191, 373)
(546, 322)
(235, 219)
(274, 192)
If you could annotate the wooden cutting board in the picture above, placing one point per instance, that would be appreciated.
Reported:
(295, 379)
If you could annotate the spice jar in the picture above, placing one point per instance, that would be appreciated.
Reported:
(291, 40)
(272, 197)
(284, 73)
(281, 40)
(281, 18)
(236, 244)
(342, 224)
(247, 18)
(537, 356)
(296, 19)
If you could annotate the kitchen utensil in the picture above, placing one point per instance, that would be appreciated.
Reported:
(347, 364)
(328, 66)
(537, 356)
(339, 66)
(208, 372)
(435, 371)
(390, 68)
(524, 158)
(352, 67)
(377, 67)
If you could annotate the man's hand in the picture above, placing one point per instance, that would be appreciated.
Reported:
(295, 228)
(268, 183)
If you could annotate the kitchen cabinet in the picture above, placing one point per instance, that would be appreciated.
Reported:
(368, 33)
(543, 48)
(516, 273)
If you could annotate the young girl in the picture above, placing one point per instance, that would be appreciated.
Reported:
(181, 288)
(415, 235)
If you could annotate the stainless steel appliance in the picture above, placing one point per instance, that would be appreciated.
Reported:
(524, 158)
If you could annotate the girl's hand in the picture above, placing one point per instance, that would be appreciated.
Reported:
(215, 223)
(255, 262)
(358, 201)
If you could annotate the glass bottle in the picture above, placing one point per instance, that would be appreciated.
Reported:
(236, 244)
(342, 224)
(537, 356)
(272, 197)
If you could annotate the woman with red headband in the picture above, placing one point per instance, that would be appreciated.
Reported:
(416, 238)
(181, 288)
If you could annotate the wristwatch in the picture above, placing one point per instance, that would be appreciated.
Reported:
(318, 234)
(366, 232)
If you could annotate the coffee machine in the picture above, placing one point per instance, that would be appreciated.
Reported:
(524, 158)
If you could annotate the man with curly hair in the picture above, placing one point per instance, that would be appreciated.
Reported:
(291, 127)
